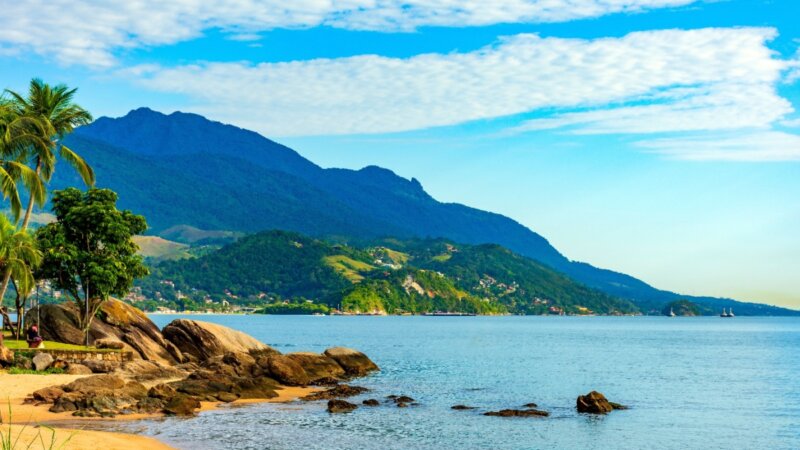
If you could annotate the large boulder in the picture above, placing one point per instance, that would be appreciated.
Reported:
(204, 340)
(285, 369)
(596, 403)
(103, 395)
(316, 366)
(42, 361)
(117, 324)
(352, 361)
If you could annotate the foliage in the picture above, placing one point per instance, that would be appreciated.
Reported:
(48, 371)
(685, 308)
(394, 276)
(88, 251)
(19, 257)
(295, 308)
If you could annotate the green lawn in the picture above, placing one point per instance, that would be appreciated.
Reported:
(48, 345)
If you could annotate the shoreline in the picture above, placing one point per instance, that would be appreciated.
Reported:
(29, 419)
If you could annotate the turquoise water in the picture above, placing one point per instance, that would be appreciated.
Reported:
(705, 383)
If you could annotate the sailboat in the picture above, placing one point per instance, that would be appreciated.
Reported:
(671, 313)
(725, 314)
(730, 312)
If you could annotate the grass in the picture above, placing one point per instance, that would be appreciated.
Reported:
(348, 267)
(443, 257)
(161, 249)
(21, 371)
(14, 344)
(8, 441)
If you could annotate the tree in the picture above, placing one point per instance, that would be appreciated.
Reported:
(17, 135)
(88, 252)
(41, 121)
(20, 257)
(56, 115)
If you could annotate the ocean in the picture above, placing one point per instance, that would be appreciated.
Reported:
(690, 383)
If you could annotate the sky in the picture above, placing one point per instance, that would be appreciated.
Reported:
(659, 138)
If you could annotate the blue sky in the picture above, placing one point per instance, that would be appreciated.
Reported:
(659, 138)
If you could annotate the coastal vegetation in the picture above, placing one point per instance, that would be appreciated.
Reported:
(281, 272)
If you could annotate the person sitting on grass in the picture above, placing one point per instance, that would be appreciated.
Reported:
(34, 340)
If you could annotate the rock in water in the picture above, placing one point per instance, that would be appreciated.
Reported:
(461, 407)
(181, 405)
(340, 406)
(203, 340)
(352, 361)
(116, 322)
(285, 369)
(518, 413)
(371, 402)
(596, 403)
(42, 361)
(339, 391)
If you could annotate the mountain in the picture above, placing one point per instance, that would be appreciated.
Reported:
(393, 276)
(184, 170)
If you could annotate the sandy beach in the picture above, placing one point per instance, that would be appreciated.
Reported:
(27, 416)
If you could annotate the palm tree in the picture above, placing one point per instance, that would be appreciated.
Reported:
(19, 256)
(39, 124)
(17, 134)
(57, 115)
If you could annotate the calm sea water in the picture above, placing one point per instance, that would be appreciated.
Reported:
(704, 383)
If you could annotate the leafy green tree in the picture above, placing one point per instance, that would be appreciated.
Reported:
(20, 257)
(88, 251)
(18, 134)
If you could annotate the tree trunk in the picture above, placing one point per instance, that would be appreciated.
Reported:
(29, 211)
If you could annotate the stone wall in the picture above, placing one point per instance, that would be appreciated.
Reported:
(79, 357)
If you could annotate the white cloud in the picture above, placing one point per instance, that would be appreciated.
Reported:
(686, 80)
(91, 31)
(766, 146)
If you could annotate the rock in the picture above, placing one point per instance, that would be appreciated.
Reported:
(461, 407)
(325, 381)
(617, 405)
(78, 369)
(340, 406)
(109, 344)
(181, 405)
(59, 364)
(48, 394)
(22, 361)
(206, 385)
(42, 361)
(150, 405)
(402, 405)
(101, 366)
(317, 366)
(227, 397)
(94, 384)
(286, 370)
(594, 403)
(116, 321)
(531, 405)
(352, 361)
(371, 402)
(6, 356)
(203, 340)
(517, 413)
(162, 391)
(403, 399)
(339, 391)
(141, 370)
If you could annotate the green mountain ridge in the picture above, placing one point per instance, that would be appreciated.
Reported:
(389, 275)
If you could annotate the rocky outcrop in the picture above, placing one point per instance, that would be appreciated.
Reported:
(317, 367)
(99, 395)
(116, 325)
(517, 413)
(285, 369)
(371, 402)
(340, 406)
(142, 371)
(78, 369)
(340, 391)
(352, 361)
(203, 340)
(462, 407)
(596, 403)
